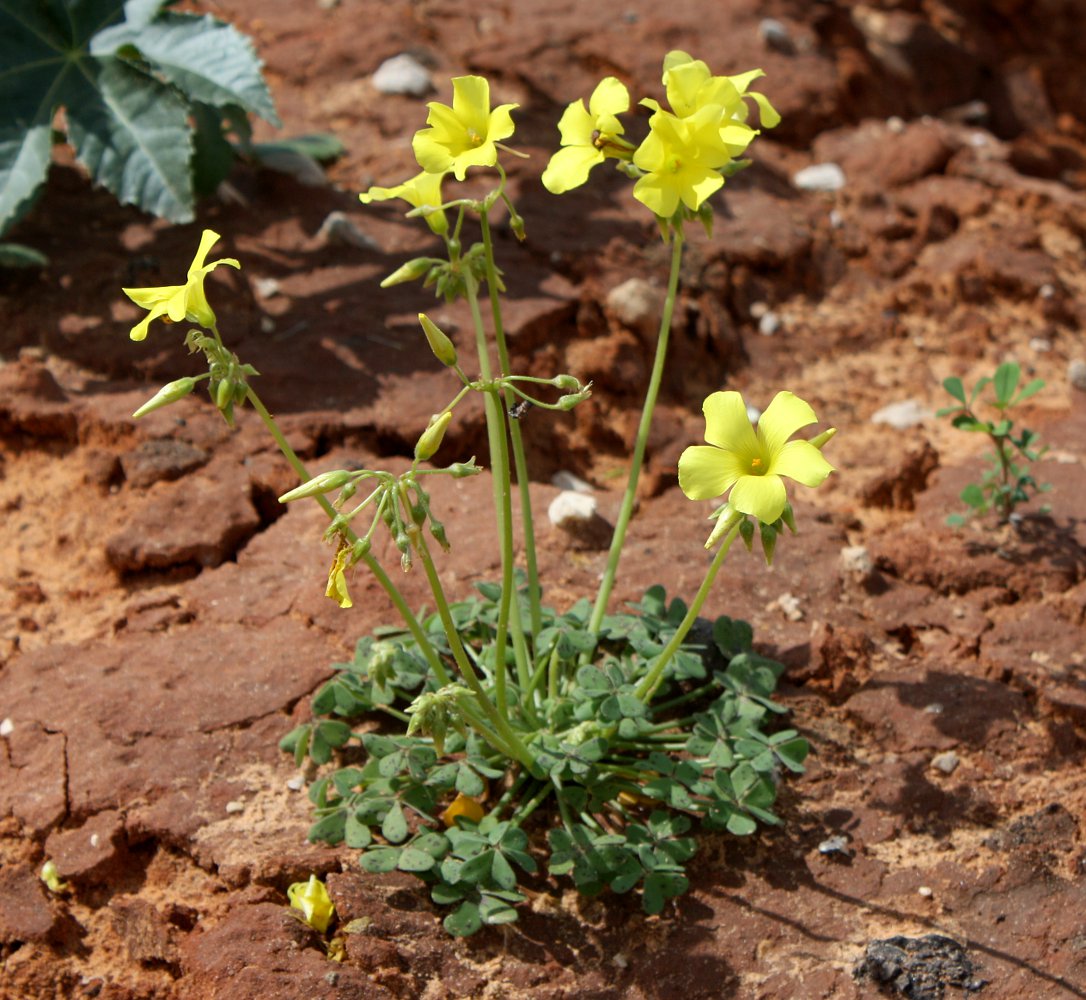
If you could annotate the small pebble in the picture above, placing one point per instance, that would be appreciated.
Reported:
(1042, 345)
(819, 177)
(637, 304)
(338, 228)
(934, 708)
(758, 310)
(769, 324)
(1047, 291)
(235, 807)
(1076, 374)
(7, 727)
(571, 509)
(265, 288)
(837, 220)
(568, 481)
(296, 784)
(619, 960)
(947, 762)
(403, 74)
(775, 36)
(789, 605)
(855, 559)
(895, 124)
(902, 415)
(925, 891)
(95, 840)
(837, 844)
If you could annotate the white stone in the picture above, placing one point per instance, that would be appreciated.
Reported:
(1076, 374)
(568, 481)
(947, 762)
(1041, 345)
(403, 74)
(235, 807)
(856, 559)
(7, 727)
(775, 35)
(819, 177)
(925, 891)
(296, 784)
(895, 124)
(265, 288)
(789, 605)
(901, 415)
(637, 304)
(571, 510)
(95, 840)
(758, 310)
(769, 324)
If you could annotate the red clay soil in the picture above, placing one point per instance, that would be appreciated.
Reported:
(163, 620)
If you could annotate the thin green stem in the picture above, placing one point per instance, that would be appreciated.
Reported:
(652, 680)
(412, 623)
(529, 807)
(626, 510)
(520, 461)
(516, 749)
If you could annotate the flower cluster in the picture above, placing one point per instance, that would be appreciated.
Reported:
(688, 151)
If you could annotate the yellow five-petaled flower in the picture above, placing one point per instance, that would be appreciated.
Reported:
(179, 302)
(750, 463)
(588, 136)
(463, 135)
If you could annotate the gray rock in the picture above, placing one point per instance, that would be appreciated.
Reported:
(636, 304)
(769, 324)
(338, 229)
(1076, 374)
(403, 74)
(775, 36)
(947, 762)
(568, 481)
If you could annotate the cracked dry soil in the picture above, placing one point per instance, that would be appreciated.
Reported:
(163, 620)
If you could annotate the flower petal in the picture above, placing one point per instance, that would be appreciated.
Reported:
(660, 198)
(762, 497)
(207, 241)
(139, 331)
(432, 156)
(609, 98)
(782, 418)
(569, 168)
(471, 102)
(500, 124)
(728, 426)
(148, 298)
(706, 472)
(803, 462)
(576, 125)
(700, 184)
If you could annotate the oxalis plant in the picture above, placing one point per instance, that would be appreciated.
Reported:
(590, 742)
(1007, 482)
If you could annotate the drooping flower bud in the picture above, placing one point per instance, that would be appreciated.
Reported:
(439, 343)
(411, 271)
(313, 900)
(431, 438)
(324, 483)
(167, 394)
(567, 383)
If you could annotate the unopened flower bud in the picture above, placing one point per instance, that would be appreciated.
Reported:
(324, 483)
(769, 541)
(166, 395)
(411, 271)
(431, 437)
(437, 529)
(516, 223)
(570, 401)
(224, 394)
(439, 343)
(567, 383)
(461, 470)
(821, 440)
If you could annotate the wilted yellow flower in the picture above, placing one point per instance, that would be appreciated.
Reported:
(337, 580)
(463, 805)
(179, 302)
(313, 900)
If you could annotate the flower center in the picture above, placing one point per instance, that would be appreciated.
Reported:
(675, 165)
(757, 467)
(474, 139)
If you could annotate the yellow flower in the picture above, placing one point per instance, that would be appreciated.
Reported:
(50, 875)
(421, 191)
(463, 136)
(681, 158)
(588, 136)
(313, 900)
(690, 86)
(463, 805)
(179, 302)
(751, 464)
(337, 580)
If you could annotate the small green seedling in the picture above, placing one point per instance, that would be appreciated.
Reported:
(1008, 482)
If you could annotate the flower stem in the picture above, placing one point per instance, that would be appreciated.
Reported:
(651, 681)
(521, 463)
(416, 630)
(626, 510)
